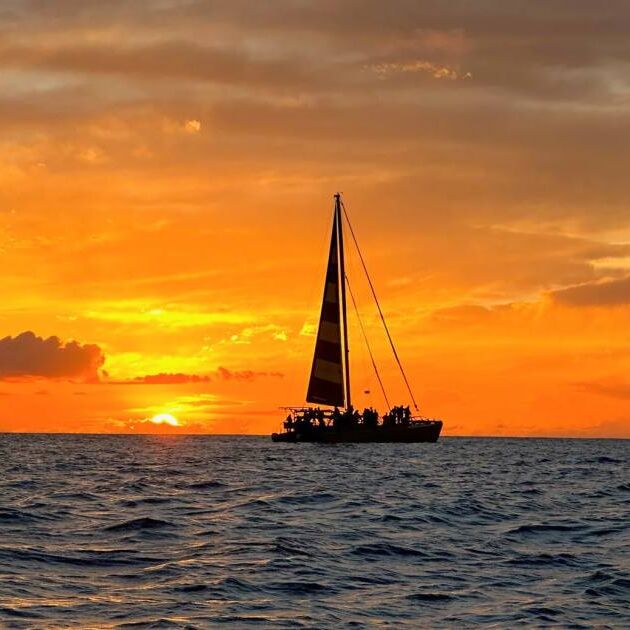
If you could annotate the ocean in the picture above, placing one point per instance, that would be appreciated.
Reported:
(206, 531)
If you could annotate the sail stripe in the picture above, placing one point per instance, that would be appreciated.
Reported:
(328, 352)
(331, 293)
(326, 385)
(332, 275)
(325, 392)
(330, 313)
(328, 371)
(329, 331)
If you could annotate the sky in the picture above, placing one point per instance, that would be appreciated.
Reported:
(167, 171)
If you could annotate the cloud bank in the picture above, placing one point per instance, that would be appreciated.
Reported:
(609, 293)
(30, 355)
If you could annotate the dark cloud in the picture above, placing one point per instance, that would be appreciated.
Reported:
(245, 375)
(609, 293)
(537, 50)
(30, 355)
(164, 61)
(166, 378)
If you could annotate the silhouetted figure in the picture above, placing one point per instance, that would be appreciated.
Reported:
(319, 415)
(336, 418)
(370, 418)
(347, 418)
(304, 424)
(406, 420)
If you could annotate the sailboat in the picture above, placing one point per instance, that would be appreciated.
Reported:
(334, 419)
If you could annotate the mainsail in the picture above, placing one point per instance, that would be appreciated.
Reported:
(326, 385)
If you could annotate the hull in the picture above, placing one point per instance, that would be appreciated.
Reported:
(428, 431)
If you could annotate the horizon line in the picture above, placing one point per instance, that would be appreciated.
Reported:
(266, 435)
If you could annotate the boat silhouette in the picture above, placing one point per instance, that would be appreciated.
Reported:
(329, 382)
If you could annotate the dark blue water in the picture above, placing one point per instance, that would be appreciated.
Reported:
(168, 532)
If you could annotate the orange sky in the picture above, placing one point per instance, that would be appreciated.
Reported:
(166, 182)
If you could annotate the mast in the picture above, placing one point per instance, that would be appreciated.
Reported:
(342, 288)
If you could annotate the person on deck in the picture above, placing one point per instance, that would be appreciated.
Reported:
(336, 418)
(347, 419)
(347, 416)
(406, 421)
(395, 415)
(370, 418)
(319, 416)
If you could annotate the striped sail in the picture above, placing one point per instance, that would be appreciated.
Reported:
(326, 385)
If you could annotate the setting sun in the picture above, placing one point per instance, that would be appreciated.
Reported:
(165, 418)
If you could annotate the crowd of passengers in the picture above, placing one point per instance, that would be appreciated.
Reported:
(350, 418)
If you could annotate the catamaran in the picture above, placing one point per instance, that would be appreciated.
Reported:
(335, 419)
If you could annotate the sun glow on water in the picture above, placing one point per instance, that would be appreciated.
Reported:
(165, 418)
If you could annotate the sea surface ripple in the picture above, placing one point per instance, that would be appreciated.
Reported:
(196, 532)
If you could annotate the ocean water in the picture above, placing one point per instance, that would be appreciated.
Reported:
(196, 532)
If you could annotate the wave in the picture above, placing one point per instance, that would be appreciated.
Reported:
(430, 597)
(74, 496)
(290, 547)
(541, 528)
(12, 515)
(152, 624)
(544, 559)
(192, 588)
(301, 587)
(607, 585)
(83, 558)
(138, 524)
(206, 485)
(146, 501)
(19, 613)
(543, 613)
(386, 549)
(305, 499)
(605, 460)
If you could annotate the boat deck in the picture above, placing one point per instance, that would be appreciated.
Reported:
(418, 431)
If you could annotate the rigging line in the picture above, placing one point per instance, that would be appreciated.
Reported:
(378, 306)
(367, 343)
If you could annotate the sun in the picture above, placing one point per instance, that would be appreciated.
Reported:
(165, 418)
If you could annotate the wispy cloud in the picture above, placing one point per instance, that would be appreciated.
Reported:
(601, 293)
(433, 69)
